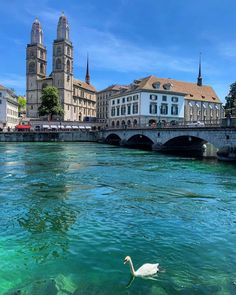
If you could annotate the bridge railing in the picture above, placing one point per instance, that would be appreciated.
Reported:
(163, 124)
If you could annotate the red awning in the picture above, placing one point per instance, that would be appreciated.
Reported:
(23, 126)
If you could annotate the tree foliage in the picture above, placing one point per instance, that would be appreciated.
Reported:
(50, 103)
(230, 106)
(21, 104)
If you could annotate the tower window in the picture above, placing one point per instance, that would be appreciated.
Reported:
(41, 68)
(31, 67)
(68, 66)
(68, 50)
(59, 50)
(58, 64)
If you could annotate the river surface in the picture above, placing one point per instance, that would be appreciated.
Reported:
(71, 212)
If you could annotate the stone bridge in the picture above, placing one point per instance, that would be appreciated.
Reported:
(175, 139)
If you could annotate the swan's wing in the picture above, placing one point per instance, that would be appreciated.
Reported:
(148, 269)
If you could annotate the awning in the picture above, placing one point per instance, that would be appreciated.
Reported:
(54, 126)
(68, 127)
(81, 127)
(197, 105)
(204, 106)
(46, 126)
(190, 104)
(61, 127)
(88, 127)
(75, 127)
(217, 107)
(210, 106)
(23, 126)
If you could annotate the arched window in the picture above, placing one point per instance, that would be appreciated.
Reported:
(31, 67)
(135, 122)
(128, 123)
(117, 123)
(41, 68)
(112, 123)
(68, 50)
(58, 64)
(68, 66)
(59, 50)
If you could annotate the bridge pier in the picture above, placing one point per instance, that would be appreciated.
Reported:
(227, 153)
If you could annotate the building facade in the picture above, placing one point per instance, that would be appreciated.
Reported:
(103, 97)
(78, 98)
(8, 108)
(152, 100)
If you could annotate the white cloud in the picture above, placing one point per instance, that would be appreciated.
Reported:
(111, 53)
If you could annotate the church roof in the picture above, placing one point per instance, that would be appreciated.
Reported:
(191, 91)
(84, 85)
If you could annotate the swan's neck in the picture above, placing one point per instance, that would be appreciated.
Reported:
(131, 267)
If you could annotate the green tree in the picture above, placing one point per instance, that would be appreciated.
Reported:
(50, 103)
(230, 106)
(21, 104)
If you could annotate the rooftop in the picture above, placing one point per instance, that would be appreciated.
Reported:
(190, 90)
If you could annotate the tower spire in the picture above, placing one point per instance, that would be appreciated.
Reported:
(199, 79)
(87, 78)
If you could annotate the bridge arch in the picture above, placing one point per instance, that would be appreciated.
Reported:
(113, 139)
(185, 145)
(139, 141)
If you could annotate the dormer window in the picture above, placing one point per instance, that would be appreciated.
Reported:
(203, 96)
(167, 86)
(156, 85)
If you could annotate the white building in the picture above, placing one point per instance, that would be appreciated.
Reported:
(8, 108)
(152, 100)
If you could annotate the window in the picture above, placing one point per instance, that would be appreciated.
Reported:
(0, 94)
(118, 101)
(153, 97)
(164, 109)
(123, 110)
(117, 111)
(129, 98)
(68, 50)
(164, 98)
(68, 66)
(59, 50)
(123, 100)
(153, 108)
(174, 99)
(135, 97)
(135, 108)
(113, 102)
(156, 85)
(0, 101)
(31, 67)
(58, 64)
(41, 68)
(129, 109)
(113, 112)
(174, 109)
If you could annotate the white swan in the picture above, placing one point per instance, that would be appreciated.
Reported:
(145, 270)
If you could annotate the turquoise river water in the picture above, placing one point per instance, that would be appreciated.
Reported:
(71, 212)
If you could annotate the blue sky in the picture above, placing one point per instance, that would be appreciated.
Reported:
(127, 39)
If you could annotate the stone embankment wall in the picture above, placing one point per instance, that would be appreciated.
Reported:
(48, 136)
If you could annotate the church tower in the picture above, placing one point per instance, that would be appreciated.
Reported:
(62, 73)
(36, 62)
